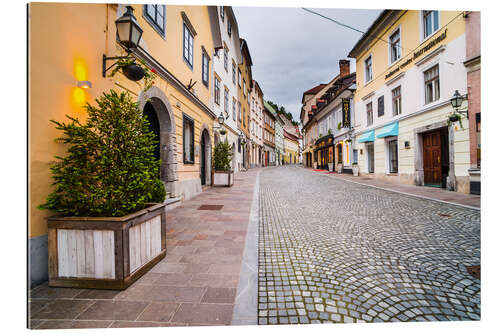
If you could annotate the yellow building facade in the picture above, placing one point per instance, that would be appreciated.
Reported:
(244, 91)
(405, 80)
(66, 44)
(291, 147)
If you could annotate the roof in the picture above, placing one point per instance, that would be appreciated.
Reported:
(270, 109)
(245, 51)
(289, 135)
(313, 90)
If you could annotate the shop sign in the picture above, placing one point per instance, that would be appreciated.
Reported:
(417, 54)
(346, 114)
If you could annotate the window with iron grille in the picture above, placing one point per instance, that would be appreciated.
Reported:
(380, 106)
(188, 139)
(369, 114)
(188, 46)
(204, 68)
(396, 101)
(155, 15)
(430, 22)
(431, 79)
(395, 45)
(216, 90)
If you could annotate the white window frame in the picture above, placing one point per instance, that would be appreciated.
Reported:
(226, 59)
(390, 46)
(394, 114)
(387, 142)
(366, 112)
(425, 102)
(364, 67)
(422, 25)
(189, 60)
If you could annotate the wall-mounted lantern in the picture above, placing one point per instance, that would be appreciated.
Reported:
(129, 34)
(84, 84)
(456, 103)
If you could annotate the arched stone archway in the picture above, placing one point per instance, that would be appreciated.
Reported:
(205, 155)
(154, 97)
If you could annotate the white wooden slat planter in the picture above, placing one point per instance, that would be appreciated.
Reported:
(223, 178)
(105, 252)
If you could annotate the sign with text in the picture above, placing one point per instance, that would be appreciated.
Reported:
(346, 112)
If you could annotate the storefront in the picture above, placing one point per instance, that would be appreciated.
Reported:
(324, 152)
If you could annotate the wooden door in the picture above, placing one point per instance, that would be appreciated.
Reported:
(432, 157)
(203, 161)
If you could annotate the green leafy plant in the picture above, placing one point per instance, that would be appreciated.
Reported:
(222, 156)
(329, 131)
(109, 168)
(339, 125)
(454, 117)
(149, 75)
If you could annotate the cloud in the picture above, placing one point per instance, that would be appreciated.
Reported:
(293, 50)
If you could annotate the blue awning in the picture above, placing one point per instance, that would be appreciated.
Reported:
(389, 130)
(367, 137)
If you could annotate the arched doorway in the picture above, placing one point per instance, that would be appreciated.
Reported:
(154, 126)
(157, 109)
(205, 156)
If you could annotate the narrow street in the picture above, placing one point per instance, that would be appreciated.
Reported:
(335, 251)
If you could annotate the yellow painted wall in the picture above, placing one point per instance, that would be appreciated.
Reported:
(410, 42)
(242, 96)
(66, 43)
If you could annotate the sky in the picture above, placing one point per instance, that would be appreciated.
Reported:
(293, 50)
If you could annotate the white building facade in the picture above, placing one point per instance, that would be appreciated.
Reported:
(224, 80)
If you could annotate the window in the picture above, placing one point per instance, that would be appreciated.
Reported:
(430, 22)
(188, 139)
(188, 46)
(216, 90)
(431, 79)
(225, 59)
(396, 101)
(234, 72)
(355, 156)
(155, 15)
(239, 77)
(368, 69)
(239, 112)
(221, 9)
(234, 109)
(395, 45)
(244, 87)
(380, 106)
(229, 28)
(226, 102)
(204, 68)
(244, 118)
(248, 119)
(369, 114)
(393, 156)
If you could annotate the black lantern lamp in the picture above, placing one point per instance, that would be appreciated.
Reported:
(456, 103)
(129, 34)
(128, 30)
(220, 119)
(242, 138)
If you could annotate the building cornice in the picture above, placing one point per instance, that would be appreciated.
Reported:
(170, 78)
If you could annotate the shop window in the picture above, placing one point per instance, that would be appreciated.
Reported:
(355, 156)
(188, 46)
(393, 156)
(396, 101)
(368, 69)
(395, 45)
(380, 106)
(188, 140)
(430, 22)
(431, 79)
(369, 114)
(155, 15)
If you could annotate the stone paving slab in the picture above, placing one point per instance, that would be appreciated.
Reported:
(336, 251)
(195, 284)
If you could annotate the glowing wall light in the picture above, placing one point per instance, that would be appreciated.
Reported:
(84, 84)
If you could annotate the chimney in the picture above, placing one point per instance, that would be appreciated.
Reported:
(344, 66)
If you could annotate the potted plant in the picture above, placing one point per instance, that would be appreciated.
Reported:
(454, 117)
(355, 169)
(111, 224)
(339, 125)
(135, 70)
(339, 167)
(222, 175)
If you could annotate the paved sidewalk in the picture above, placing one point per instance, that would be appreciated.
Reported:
(195, 284)
(421, 191)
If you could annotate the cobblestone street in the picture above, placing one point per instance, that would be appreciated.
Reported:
(336, 251)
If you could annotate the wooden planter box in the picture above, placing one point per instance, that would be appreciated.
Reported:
(223, 178)
(105, 252)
